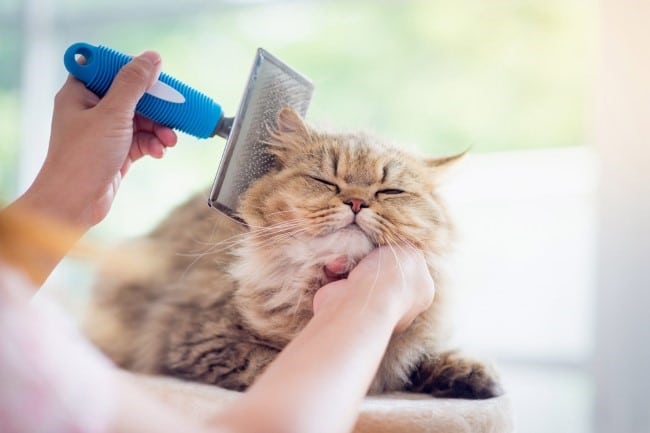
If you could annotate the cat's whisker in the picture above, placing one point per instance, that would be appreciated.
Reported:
(279, 237)
(190, 265)
(211, 246)
(276, 227)
(274, 231)
(374, 282)
(275, 234)
(253, 228)
(265, 230)
(274, 240)
(226, 243)
(289, 221)
(215, 225)
(203, 242)
(403, 242)
(271, 237)
(213, 249)
(394, 240)
(291, 234)
(399, 264)
(391, 233)
(246, 289)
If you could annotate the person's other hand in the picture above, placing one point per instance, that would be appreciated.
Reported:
(394, 279)
(94, 141)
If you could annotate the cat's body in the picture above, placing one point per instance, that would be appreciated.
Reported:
(227, 298)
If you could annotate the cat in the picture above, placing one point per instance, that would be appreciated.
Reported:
(227, 297)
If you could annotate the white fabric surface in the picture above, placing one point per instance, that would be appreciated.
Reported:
(391, 413)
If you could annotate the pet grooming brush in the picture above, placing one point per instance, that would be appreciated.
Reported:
(271, 86)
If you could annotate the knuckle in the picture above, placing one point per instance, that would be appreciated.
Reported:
(64, 93)
(59, 97)
(137, 71)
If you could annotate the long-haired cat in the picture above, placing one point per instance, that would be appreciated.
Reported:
(229, 297)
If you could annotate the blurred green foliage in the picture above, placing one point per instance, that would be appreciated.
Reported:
(440, 75)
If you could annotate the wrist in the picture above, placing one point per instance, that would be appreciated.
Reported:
(36, 237)
(50, 198)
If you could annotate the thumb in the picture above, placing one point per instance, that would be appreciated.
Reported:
(131, 82)
(328, 294)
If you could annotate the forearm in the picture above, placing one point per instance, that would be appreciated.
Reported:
(36, 235)
(318, 382)
(137, 411)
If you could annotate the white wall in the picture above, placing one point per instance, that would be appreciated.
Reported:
(622, 356)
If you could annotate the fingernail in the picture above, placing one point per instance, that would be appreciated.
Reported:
(154, 59)
(151, 57)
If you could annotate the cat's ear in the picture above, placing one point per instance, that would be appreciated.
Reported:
(289, 135)
(445, 162)
(290, 122)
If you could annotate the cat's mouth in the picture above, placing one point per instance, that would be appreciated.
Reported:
(354, 227)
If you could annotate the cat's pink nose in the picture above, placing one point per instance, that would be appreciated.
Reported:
(356, 204)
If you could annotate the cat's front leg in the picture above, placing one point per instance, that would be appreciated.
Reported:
(219, 360)
(451, 375)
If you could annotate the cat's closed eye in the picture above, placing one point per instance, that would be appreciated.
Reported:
(390, 191)
(331, 185)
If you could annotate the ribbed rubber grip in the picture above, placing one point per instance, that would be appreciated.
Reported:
(188, 110)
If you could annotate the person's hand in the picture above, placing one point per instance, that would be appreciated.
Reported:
(393, 279)
(93, 143)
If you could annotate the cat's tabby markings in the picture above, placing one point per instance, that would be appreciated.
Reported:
(227, 298)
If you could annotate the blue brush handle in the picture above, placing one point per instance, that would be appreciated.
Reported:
(188, 110)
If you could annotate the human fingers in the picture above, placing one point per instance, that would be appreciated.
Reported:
(166, 135)
(152, 143)
(327, 293)
(73, 95)
(336, 272)
(146, 143)
(377, 261)
(389, 260)
(399, 276)
(419, 289)
(131, 82)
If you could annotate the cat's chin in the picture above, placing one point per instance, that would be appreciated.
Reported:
(352, 229)
(351, 238)
(349, 241)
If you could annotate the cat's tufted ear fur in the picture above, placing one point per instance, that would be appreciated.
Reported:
(445, 161)
(290, 122)
(289, 134)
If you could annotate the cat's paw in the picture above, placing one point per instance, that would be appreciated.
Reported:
(450, 375)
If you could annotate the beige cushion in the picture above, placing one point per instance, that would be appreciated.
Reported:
(391, 413)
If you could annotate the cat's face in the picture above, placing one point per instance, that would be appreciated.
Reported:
(331, 199)
(349, 186)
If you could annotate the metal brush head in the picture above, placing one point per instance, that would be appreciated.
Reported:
(271, 86)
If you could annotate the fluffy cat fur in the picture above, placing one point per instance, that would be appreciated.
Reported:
(228, 297)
